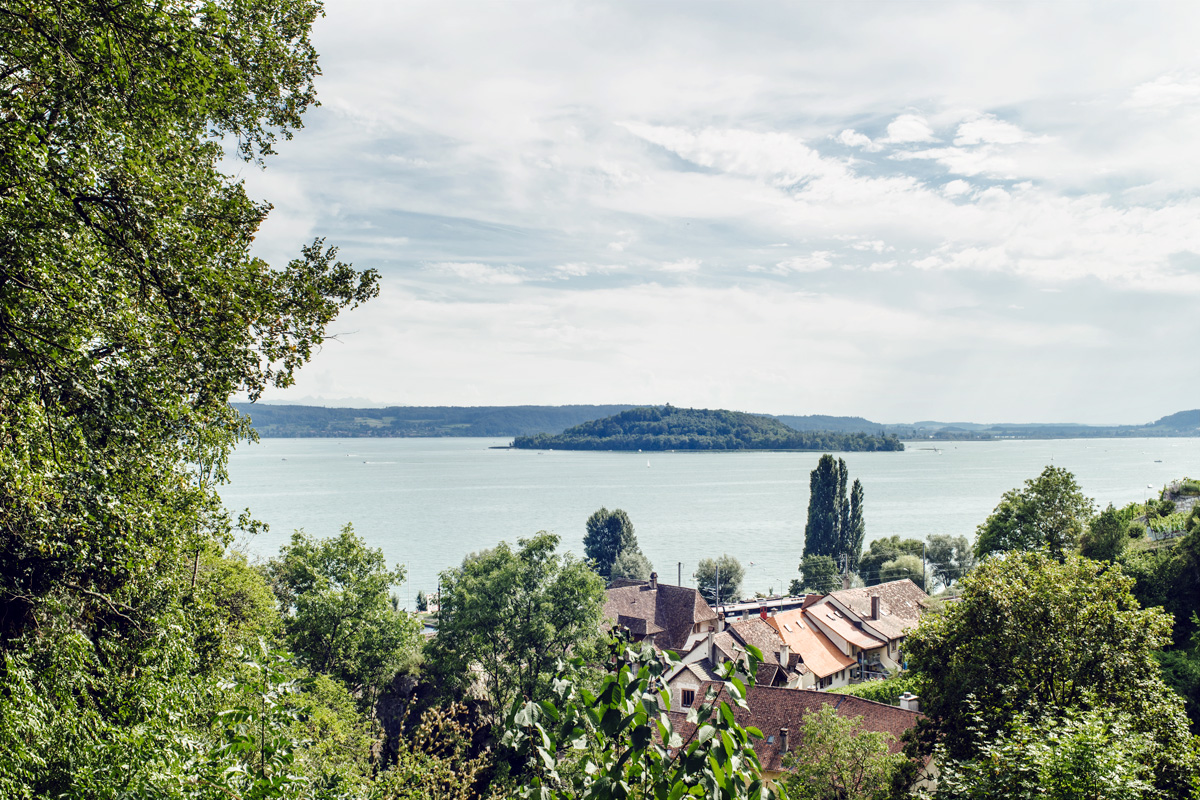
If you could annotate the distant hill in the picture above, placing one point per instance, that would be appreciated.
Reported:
(397, 421)
(823, 422)
(670, 428)
(1183, 423)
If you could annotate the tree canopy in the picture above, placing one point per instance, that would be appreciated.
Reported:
(1032, 634)
(835, 525)
(509, 615)
(335, 596)
(719, 580)
(1049, 513)
(608, 534)
(949, 557)
(670, 428)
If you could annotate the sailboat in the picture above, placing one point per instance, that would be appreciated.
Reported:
(647, 463)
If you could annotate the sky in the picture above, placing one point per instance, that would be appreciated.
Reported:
(899, 210)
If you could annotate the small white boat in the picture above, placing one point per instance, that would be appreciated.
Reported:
(647, 463)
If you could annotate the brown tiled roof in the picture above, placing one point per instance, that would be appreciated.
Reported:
(770, 708)
(815, 650)
(673, 610)
(758, 632)
(900, 605)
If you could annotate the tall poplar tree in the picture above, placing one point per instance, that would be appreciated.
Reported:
(835, 527)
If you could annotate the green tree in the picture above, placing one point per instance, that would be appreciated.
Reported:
(609, 533)
(719, 580)
(633, 565)
(949, 557)
(335, 595)
(819, 574)
(1049, 513)
(883, 550)
(1032, 634)
(827, 507)
(901, 567)
(835, 759)
(509, 615)
(1071, 755)
(854, 531)
(619, 743)
(1106, 536)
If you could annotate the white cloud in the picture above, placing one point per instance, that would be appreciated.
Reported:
(909, 128)
(680, 265)
(852, 138)
(474, 272)
(987, 129)
(956, 188)
(813, 262)
(1165, 92)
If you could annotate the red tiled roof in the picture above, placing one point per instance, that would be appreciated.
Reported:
(821, 656)
(669, 612)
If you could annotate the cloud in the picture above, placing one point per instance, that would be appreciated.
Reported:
(852, 138)
(1165, 92)
(680, 265)
(473, 272)
(909, 128)
(987, 129)
(813, 262)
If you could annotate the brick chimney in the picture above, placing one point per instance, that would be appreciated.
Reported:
(874, 606)
(653, 580)
(762, 611)
(720, 622)
(712, 653)
(910, 702)
(783, 740)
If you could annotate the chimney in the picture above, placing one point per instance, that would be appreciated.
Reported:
(653, 580)
(712, 655)
(874, 606)
(910, 702)
(845, 580)
(720, 622)
(762, 611)
(785, 653)
(783, 740)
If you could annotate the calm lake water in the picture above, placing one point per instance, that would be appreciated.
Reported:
(429, 502)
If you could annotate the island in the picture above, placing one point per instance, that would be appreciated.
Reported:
(670, 428)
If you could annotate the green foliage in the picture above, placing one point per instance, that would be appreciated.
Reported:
(1169, 576)
(835, 525)
(607, 535)
(231, 608)
(669, 428)
(818, 574)
(335, 595)
(901, 567)
(1168, 523)
(1106, 536)
(1064, 755)
(719, 580)
(511, 615)
(130, 306)
(883, 550)
(1032, 635)
(1181, 671)
(949, 557)
(632, 565)
(434, 760)
(885, 691)
(618, 742)
(835, 759)
(1049, 513)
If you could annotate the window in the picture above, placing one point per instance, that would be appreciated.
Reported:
(687, 697)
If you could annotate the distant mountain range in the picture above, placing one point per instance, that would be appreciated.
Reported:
(306, 421)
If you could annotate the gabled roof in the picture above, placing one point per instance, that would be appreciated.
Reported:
(771, 708)
(668, 612)
(900, 605)
(758, 632)
(821, 656)
(831, 617)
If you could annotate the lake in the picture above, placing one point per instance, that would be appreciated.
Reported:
(429, 502)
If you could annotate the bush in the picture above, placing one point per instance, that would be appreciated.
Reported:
(885, 691)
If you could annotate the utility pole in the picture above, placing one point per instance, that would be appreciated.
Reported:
(717, 597)
(680, 581)
(923, 579)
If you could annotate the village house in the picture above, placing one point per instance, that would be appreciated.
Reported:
(779, 713)
(669, 617)
(868, 624)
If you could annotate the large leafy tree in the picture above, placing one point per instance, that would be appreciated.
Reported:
(130, 306)
(949, 557)
(883, 550)
(508, 616)
(1031, 635)
(335, 596)
(719, 580)
(608, 534)
(131, 309)
(1049, 513)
